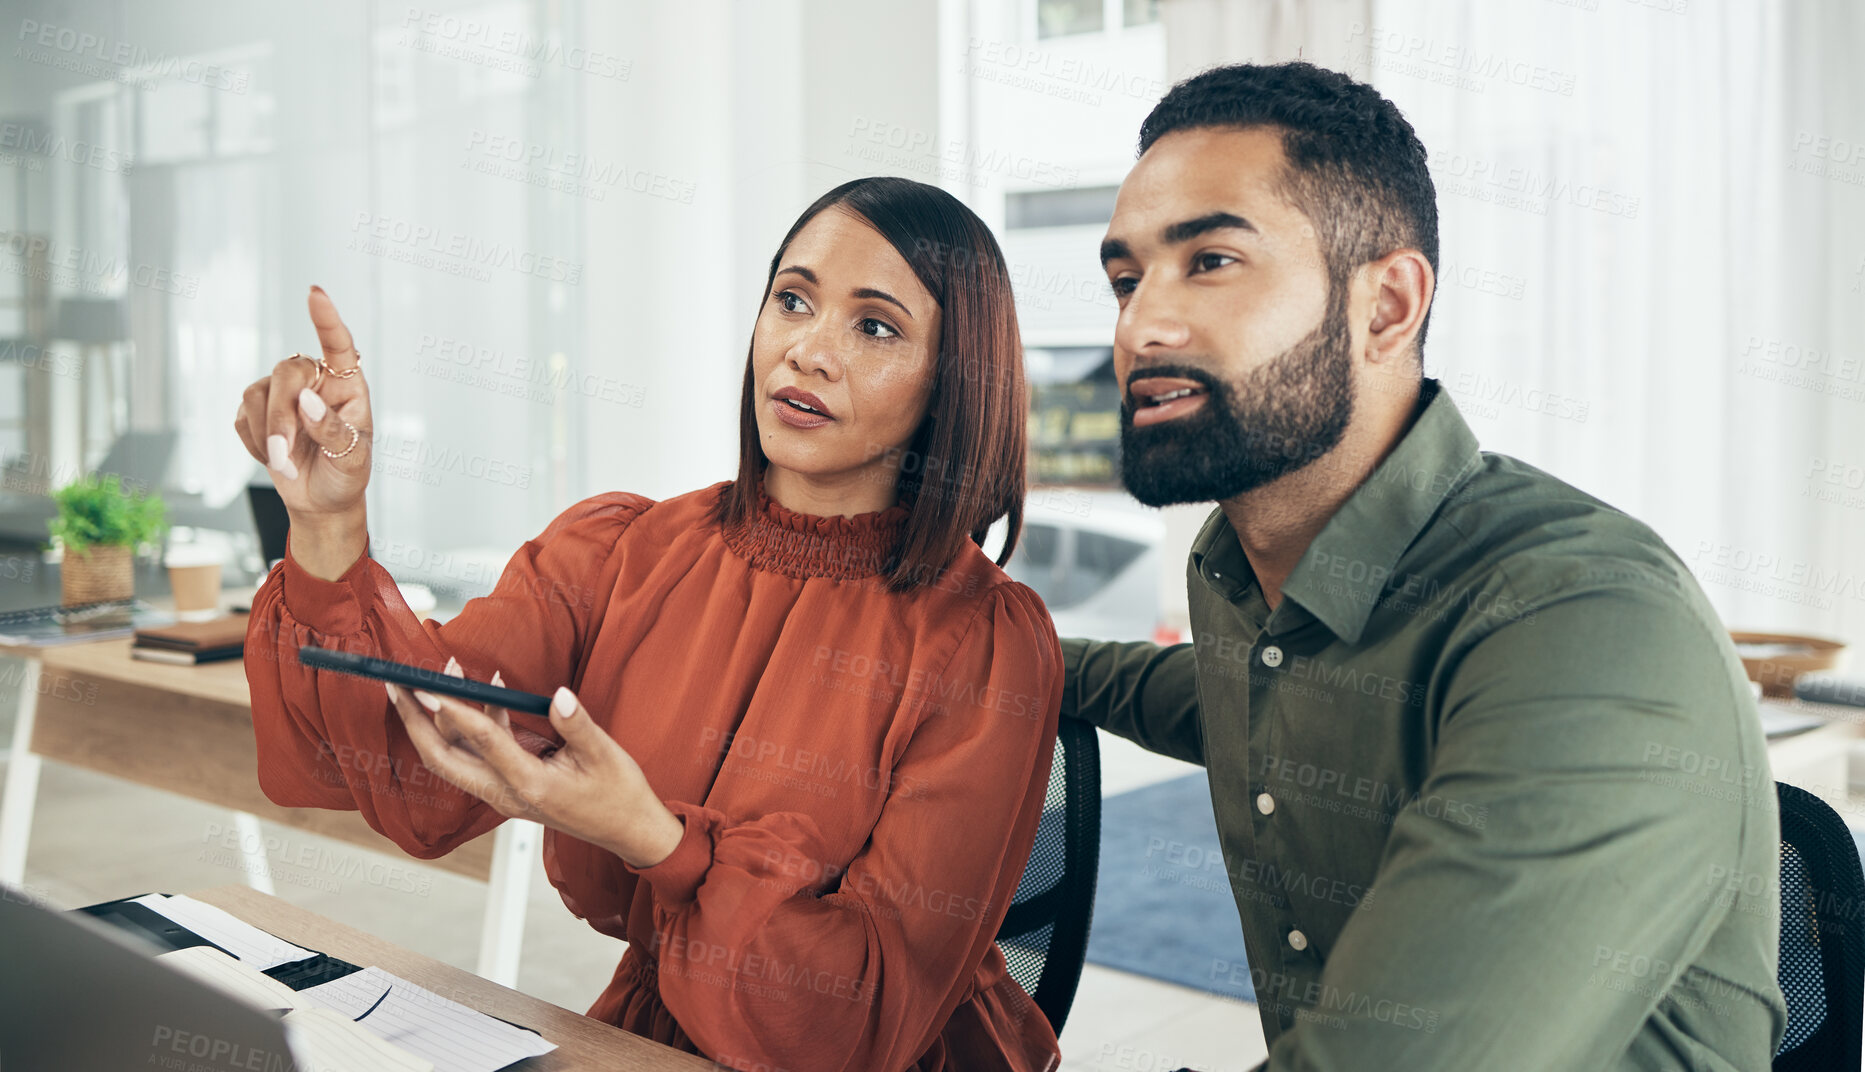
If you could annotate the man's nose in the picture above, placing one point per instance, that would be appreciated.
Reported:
(1152, 320)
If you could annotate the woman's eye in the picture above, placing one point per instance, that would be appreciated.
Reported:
(1205, 262)
(876, 328)
(791, 302)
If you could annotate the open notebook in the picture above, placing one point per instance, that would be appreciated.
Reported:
(368, 1021)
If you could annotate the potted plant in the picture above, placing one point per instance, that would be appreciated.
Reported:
(99, 524)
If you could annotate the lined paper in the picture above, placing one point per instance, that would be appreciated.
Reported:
(232, 977)
(326, 1041)
(254, 947)
(454, 1037)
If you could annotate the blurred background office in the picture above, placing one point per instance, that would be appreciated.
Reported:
(548, 223)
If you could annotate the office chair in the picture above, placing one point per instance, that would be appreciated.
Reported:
(1822, 969)
(1045, 935)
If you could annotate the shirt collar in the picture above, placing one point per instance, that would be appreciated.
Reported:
(1340, 576)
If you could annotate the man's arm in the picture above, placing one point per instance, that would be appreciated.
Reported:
(1604, 806)
(1139, 690)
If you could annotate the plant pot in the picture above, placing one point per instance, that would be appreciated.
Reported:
(99, 573)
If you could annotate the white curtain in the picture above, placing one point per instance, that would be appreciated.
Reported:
(1652, 218)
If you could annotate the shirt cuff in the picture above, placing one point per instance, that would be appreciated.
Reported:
(334, 608)
(676, 879)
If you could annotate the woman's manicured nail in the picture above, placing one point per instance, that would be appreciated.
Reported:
(497, 680)
(312, 404)
(564, 703)
(394, 693)
(453, 667)
(426, 700)
(278, 451)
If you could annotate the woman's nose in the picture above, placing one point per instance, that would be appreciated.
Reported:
(810, 352)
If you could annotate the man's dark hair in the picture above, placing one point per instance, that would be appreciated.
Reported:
(1356, 168)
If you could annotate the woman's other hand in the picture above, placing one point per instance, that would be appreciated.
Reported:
(589, 788)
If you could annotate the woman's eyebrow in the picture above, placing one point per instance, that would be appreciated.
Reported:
(862, 292)
(870, 292)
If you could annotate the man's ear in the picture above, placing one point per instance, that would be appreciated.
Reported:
(1403, 285)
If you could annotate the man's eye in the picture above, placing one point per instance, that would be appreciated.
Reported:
(1205, 262)
(1123, 286)
(881, 330)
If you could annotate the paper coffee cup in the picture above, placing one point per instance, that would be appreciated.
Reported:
(194, 581)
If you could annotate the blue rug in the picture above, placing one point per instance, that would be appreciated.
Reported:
(1163, 907)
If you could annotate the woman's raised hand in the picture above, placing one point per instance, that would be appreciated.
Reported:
(295, 431)
(283, 423)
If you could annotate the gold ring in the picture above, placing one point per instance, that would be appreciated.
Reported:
(354, 436)
(316, 363)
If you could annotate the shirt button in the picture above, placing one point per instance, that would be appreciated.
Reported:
(1272, 656)
(1265, 803)
(1298, 941)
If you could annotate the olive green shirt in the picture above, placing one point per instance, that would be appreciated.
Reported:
(1490, 781)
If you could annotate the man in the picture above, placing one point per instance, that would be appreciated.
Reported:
(1489, 779)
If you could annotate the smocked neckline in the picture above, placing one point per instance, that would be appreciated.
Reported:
(776, 538)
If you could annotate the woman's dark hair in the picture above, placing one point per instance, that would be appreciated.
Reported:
(964, 466)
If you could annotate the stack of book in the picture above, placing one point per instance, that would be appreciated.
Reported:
(188, 643)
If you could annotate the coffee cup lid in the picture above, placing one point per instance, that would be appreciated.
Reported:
(194, 554)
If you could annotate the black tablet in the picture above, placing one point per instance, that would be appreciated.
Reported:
(344, 662)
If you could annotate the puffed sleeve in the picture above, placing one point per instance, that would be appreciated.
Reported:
(764, 970)
(328, 740)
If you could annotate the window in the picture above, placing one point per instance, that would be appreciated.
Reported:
(1059, 208)
(1058, 18)
(1139, 12)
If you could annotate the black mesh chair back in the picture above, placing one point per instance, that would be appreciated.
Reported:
(1822, 970)
(1045, 934)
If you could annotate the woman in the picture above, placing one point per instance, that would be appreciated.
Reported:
(802, 726)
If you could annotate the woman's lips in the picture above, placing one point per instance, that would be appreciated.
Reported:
(795, 417)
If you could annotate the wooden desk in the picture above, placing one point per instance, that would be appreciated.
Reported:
(582, 1043)
(1819, 760)
(189, 730)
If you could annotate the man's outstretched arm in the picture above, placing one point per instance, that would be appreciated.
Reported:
(1139, 690)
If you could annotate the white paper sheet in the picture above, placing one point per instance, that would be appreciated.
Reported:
(254, 947)
(454, 1037)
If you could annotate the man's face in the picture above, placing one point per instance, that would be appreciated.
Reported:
(1233, 352)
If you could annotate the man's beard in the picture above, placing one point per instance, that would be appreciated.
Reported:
(1283, 416)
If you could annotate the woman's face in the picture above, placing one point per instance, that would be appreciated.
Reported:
(848, 331)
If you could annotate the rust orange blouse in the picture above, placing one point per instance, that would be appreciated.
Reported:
(860, 772)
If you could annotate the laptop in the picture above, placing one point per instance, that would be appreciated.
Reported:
(270, 520)
(76, 993)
